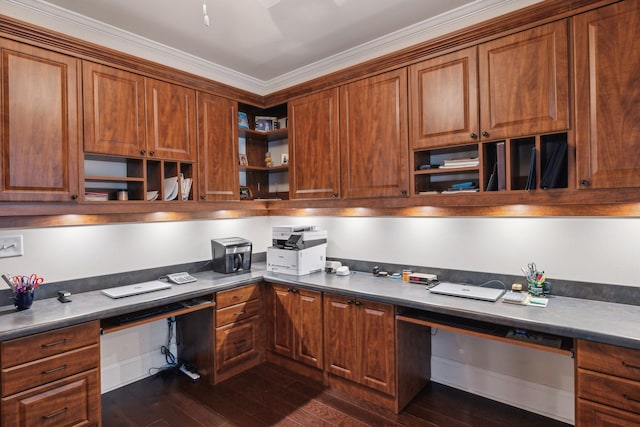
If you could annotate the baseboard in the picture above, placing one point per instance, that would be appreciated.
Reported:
(533, 397)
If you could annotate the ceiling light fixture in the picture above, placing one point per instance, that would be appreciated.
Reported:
(204, 13)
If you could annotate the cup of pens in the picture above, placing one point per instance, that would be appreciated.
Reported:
(23, 290)
(536, 280)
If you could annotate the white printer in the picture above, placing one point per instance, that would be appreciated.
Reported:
(297, 249)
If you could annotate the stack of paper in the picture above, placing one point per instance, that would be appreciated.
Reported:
(185, 186)
(460, 163)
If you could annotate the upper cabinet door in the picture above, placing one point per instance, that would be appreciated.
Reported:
(171, 121)
(607, 67)
(218, 148)
(314, 146)
(524, 83)
(114, 114)
(374, 136)
(444, 100)
(39, 124)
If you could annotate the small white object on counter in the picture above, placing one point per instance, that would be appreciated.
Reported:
(342, 271)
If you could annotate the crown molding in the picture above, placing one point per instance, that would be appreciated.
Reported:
(55, 18)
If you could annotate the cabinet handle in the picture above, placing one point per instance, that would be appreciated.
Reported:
(473, 135)
(51, 371)
(584, 182)
(294, 291)
(74, 197)
(152, 153)
(143, 152)
(485, 134)
(240, 313)
(631, 399)
(240, 342)
(358, 303)
(349, 301)
(55, 414)
(628, 365)
(289, 290)
(53, 344)
(238, 296)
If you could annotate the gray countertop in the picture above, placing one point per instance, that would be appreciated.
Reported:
(571, 317)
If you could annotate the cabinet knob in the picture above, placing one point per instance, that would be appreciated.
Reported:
(203, 198)
(485, 134)
(335, 195)
(289, 290)
(152, 153)
(584, 182)
(358, 303)
(403, 192)
(74, 197)
(143, 152)
(473, 135)
(349, 301)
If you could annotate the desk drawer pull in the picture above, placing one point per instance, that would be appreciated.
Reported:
(631, 399)
(55, 414)
(51, 371)
(628, 365)
(240, 313)
(240, 342)
(53, 344)
(238, 296)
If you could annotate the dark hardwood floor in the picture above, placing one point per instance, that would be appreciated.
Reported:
(272, 396)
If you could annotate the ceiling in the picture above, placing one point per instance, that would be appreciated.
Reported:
(259, 46)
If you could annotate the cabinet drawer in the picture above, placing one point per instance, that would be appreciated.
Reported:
(235, 296)
(33, 374)
(237, 312)
(236, 343)
(73, 401)
(619, 361)
(34, 347)
(613, 391)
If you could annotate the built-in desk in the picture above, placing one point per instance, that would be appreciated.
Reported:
(574, 320)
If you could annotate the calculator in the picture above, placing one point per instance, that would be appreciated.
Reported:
(515, 297)
(181, 278)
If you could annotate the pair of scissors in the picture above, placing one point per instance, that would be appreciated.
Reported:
(35, 281)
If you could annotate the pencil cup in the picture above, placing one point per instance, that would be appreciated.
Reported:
(23, 300)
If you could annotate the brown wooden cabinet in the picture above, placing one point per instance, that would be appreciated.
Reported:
(607, 60)
(171, 121)
(114, 111)
(607, 385)
(296, 324)
(52, 378)
(374, 151)
(524, 83)
(443, 95)
(239, 341)
(360, 342)
(40, 124)
(314, 146)
(217, 148)
(138, 132)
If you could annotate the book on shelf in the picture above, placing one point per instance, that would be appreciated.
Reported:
(553, 177)
(531, 178)
(460, 163)
(492, 183)
(460, 190)
(501, 168)
(96, 196)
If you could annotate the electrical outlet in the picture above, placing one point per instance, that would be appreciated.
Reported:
(11, 246)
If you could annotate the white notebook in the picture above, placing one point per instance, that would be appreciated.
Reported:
(135, 289)
(467, 291)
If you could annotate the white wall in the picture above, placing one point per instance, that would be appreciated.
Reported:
(586, 249)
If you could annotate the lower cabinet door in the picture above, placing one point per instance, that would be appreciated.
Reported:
(73, 401)
(590, 414)
(236, 343)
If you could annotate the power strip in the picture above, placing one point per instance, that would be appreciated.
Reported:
(194, 376)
